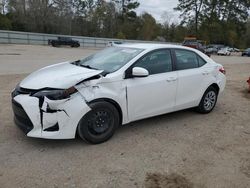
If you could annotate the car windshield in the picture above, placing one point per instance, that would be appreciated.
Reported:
(110, 59)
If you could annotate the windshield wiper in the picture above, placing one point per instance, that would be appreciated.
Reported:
(78, 63)
(88, 66)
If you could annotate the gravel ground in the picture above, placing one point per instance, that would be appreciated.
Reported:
(181, 149)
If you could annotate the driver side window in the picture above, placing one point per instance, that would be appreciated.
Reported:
(156, 62)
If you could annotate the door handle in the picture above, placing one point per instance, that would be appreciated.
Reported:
(171, 79)
(205, 73)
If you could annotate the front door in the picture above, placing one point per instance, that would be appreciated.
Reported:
(155, 94)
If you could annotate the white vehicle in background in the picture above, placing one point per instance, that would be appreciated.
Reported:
(114, 43)
(93, 96)
(236, 50)
(224, 51)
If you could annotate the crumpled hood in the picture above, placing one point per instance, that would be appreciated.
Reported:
(61, 76)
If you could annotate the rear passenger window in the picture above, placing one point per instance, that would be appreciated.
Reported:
(186, 60)
(201, 61)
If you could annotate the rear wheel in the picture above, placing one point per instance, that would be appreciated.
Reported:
(208, 101)
(99, 124)
(75, 45)
(54, 44)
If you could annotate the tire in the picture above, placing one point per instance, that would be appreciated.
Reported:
(208, 101)
(75, 45)
(99, 124)
(54, 44)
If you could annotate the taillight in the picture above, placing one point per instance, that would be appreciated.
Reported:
(222, 70)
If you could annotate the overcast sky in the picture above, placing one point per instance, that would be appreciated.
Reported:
(157, 7)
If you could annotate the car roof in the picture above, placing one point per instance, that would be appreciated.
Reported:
(155, 46)
(151, 46)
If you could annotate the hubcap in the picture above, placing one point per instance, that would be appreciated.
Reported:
(99, 122)
(210, 100)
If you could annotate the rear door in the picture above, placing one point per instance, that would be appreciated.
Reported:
(193, 77)
(67, 41)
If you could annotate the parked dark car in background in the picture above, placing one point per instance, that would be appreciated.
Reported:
(193, 43)
(64, 41)
(246, 52)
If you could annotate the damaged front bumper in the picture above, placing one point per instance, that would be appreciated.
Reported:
(45, 118)
(21, 119)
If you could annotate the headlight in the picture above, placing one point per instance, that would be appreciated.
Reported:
(55, 94)
(15, 91)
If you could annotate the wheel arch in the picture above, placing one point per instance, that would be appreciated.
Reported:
(215, 86)
(111, 101)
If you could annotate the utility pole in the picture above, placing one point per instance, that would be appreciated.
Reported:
(123, 6)
(3, 2)
(196, 19)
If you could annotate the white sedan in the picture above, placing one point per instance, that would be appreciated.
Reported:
(93, 96)
(224, 51)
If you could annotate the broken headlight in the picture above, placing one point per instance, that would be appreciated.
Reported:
(55, 94)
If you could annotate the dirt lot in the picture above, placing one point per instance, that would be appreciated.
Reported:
(182, 149)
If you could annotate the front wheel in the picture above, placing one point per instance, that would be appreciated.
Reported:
(54, 44)
(75, 45)
(208, 101)
(99, 124)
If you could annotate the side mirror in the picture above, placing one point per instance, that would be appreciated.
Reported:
(139, 72)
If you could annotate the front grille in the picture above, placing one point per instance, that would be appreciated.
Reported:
(21, 118)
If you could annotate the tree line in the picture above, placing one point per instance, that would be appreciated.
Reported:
(215, 21)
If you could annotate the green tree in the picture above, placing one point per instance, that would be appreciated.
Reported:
(120, 35)
(246, 36)
(127, 8)
(217, 21)
(149, 29)
(5, 23)
(103, 19)
(191, 10)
